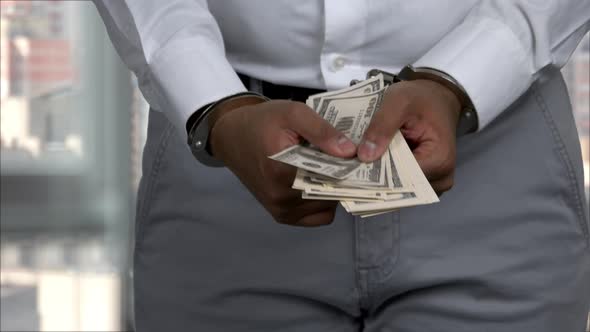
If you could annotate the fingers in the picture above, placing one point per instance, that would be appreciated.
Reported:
(438, 165)
(321, 218)
(443, 185)
(318, 131)
(436, 160)
(383, 126)
(313, 213)
(305, 213)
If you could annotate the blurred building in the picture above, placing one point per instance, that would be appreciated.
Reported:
(139, 122)
(64, 180)
(36, 68)
(577, 75)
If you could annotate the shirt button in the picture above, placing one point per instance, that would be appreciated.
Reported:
(338, 63)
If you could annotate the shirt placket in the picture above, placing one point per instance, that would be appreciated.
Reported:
(344, 35)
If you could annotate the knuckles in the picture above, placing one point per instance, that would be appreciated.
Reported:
(447, 185)
(444, 185)
(327, 219)
(288, 216)
(447, 166)
(447, 161)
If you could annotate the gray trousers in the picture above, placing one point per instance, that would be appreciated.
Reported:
(507, 249)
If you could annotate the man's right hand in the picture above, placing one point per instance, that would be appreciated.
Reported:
(243, 137)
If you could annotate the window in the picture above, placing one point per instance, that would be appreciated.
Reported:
(66, 191)
(578, 82)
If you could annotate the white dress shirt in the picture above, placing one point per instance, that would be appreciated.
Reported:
(185, 53)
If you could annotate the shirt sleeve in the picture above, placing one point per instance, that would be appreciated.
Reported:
(503, 46)
(176, 50)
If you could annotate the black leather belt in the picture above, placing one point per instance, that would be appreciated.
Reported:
(276, 91)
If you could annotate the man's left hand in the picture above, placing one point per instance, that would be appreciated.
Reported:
(427, 114)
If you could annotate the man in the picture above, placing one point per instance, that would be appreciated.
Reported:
(506, 250)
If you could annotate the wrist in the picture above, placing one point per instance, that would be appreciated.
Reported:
(468, 120)
(199, 128)
(220, 112)
(450, 97)
(441, 98)
(231, 105)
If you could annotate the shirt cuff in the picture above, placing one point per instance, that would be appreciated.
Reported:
(188, 77)
(488, 60)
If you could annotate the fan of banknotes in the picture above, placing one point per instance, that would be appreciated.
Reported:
(364, 189)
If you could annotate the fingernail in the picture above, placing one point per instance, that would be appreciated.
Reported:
(346, 145)
(367, 150)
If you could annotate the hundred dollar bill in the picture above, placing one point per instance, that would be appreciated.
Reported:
(422, 192)
(394, 180)
(375, 213)
(412, 171)
(369, 175)
(320, 197)
(364, 189)
(317, 161)
(391, 202)
(351, 115)
(365, 87)
(304, 182)
(394, 165)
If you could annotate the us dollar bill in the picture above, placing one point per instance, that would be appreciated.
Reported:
(318, 162)
(421, 192)
(392, 201)
(364, 189)
(322, 197)
(373, 84)
(369, 175)
(412, 170)
(387, 170)
(304, 182)
(351, 115)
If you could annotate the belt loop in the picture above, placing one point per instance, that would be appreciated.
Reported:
(256, 85)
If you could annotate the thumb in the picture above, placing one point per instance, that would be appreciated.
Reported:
(378, 135)
(311, 126)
